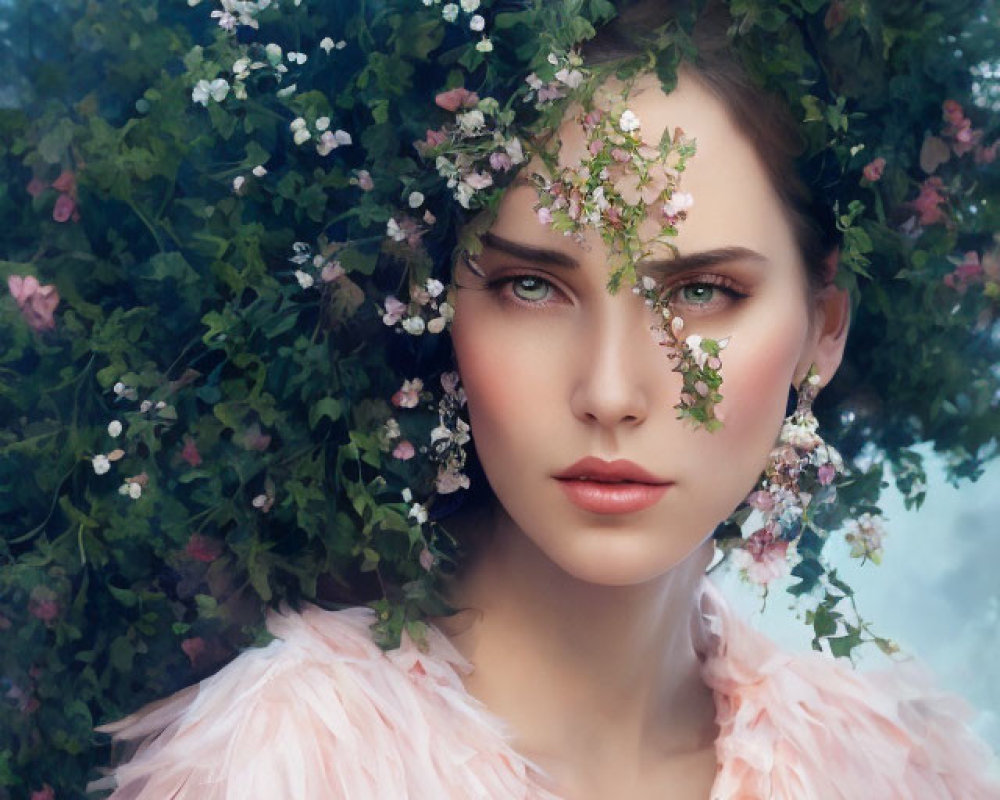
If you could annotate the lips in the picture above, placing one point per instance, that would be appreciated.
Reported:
(611, 487)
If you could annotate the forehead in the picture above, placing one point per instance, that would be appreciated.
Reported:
(734, 202)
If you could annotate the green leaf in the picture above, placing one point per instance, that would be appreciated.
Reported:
(327, 407)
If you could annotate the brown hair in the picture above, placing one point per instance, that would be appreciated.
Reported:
(763, 118)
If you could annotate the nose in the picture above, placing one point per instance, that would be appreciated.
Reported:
(615, 376)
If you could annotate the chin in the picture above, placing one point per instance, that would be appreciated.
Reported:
(618, 559)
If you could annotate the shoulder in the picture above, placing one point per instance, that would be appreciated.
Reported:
(805, 725)
(322, 712)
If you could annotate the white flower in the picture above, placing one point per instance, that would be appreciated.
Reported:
(288, 91)
(144, 406)
(468, 6)
(216, 90)
(340, 45)
(331, 140)
(297, 58)
(297, 124)
(238, 182)
(416, 199)
(134, 490)
(449, 481)
(101, 464)
(450, 12)
(114, 428)
(678, 202)
(407, 495)
(471, 121)
(326, 44)
(477, 23)
(464, 194)
(413, 326)
(434, 287)
(259, 171)
(322, 123)
(484, 46)
(514, 150)
(648, 283)
(534, 81)
(304, 278)
(120, 388)
(629, 122)
(419, 513)
(572, 78)
(393, 231)
(273, 52)
(241, 67)
(301, 136)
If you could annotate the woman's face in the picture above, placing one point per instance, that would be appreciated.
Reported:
(556, 369)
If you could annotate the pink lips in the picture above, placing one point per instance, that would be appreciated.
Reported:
(611, 487)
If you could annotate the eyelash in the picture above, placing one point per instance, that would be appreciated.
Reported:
(499, 286)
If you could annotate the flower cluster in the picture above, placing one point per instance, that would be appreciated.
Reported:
(449, 438)
(865, 535)
(473, 150)
(426, 311)
(476, 22)
(617, 187)
(564, 73)
(698, 359)
(801, 472)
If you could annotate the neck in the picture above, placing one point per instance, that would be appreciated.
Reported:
(577, 668)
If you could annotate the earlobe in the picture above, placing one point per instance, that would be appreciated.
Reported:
(832, 321)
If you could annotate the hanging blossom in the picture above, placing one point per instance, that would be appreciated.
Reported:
(865, 535)
(449, 438)
(564, 74)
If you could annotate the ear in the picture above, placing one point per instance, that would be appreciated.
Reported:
(830, 324)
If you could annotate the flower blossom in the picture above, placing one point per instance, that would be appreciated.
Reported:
(970, 271)
(330, 141)
(404, 450)
(763, 557)
(865, 535)
(629, 121)
(36, 302)
(449, 481)
(394, 310)
(456, 98)
(215, 90)
(408, 396)
(190, 452)
(873, 169)
(929, 201)
(43, 604)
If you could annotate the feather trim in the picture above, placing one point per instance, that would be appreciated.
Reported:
(809, 727)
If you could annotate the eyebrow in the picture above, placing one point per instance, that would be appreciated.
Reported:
(661, 267)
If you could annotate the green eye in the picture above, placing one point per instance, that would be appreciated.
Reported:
(530, 289)
(698, 293)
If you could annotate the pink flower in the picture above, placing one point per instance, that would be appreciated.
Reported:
(66, 182)
(426, 559)
(449, 481)
(873, 169)
(409, 394)
(549, 92)
(394, 310)
(761, 500)
(194, 649)
(36, 302)
(363, 180)
(190, 452)
(952, 112)
(201, 548)
(826, 474)
(595, 147)
(501, 162)
(457, 98)
(619, 155)
(404, 451)
(64, 208)
(43, 604)
(968, 272)
(763, 557)
(36, 186)
(928, 200)
(254, 439)
(544, 216)
(45, 793)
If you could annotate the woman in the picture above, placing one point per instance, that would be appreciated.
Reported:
(592, 659)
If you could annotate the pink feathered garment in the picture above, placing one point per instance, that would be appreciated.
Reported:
(324, 713)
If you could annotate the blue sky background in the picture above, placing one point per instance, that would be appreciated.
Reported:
(936, 593)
